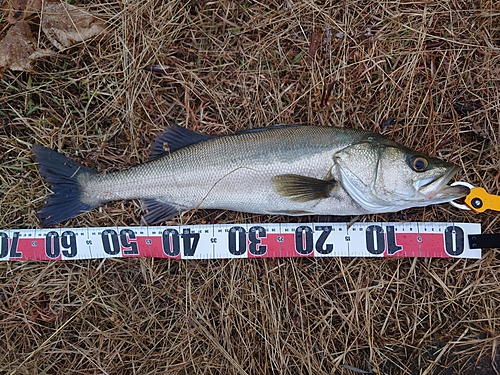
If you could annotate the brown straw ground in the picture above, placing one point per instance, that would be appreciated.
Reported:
(425, 73)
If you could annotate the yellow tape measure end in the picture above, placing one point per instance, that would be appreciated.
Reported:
(479, 200)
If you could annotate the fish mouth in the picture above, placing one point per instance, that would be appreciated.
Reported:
(437, 189)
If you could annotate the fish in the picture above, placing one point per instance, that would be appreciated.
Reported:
(276, 170)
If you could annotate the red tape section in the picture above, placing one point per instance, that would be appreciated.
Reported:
(313, 240)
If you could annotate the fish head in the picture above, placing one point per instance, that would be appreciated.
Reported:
(384, 176)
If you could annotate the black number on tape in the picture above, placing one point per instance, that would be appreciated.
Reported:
(129, 242)
(375, 240)
(11, 250)
(304, 240)
(68, 242)
(53, 244)
(190, 242)
(256, 247)
(454, 240)
(110, 242)
(52, 247)
(320, 248)
(4, 244)
(375, 243)
(392, 246)
(237, 240)
(170, 242)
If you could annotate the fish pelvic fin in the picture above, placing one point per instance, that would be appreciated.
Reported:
(158, 211)
(63, 176)
(302, 188)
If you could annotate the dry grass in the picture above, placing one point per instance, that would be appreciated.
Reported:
(424, 73)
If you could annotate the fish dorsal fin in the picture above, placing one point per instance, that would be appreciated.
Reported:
(302, 188)
(174, 138)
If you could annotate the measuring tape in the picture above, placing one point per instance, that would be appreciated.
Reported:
(226, 241)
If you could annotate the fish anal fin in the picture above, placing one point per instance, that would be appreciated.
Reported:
(173, 138)
(302, 188)
(158, 210)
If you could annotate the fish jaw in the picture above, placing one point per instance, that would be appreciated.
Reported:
(438, 191)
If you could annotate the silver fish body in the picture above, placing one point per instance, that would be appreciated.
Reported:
(290, 170)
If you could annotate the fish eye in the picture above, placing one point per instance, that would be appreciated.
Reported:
(419, 163)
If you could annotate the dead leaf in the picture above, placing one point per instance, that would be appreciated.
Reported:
(65, 24)
(19, 48)
(18, 10)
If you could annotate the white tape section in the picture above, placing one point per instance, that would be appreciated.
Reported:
(217, 241)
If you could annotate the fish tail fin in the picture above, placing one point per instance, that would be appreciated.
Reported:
(62, 174)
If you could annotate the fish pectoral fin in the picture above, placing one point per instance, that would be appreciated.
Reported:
(158, 210)
(302, 188)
